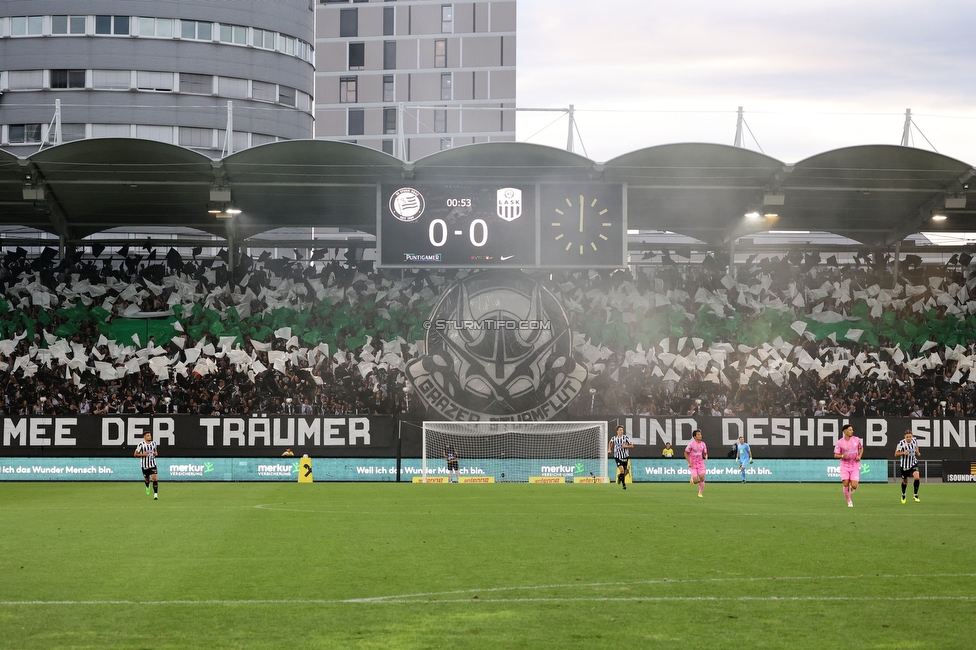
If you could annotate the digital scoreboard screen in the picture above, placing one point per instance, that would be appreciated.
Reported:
(502, 226)
(456, 226)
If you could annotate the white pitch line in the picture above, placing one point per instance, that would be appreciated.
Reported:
(666, 581)
(645, 599)
(434, 597)
(432, 511)
(401, 601)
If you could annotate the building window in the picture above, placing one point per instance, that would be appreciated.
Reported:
(155, 132)
(286, 96)
(69, 133)
(357, 121)
(357, 56)
(24, 133)
(110, 130)
(348, 23)
(239, 139)
(27, 25)
(389, 55)
(73, 25)
(196, 84)
(162, 81)
(198, 138)
(195, 30)
(264, 39)
(447, 86)
(389, 91)
(447, 19)
(348, 90)
(440, 121)
(388, 147)
(446, 143)
(111, 79)
(25, 79)
(233, 34)
(389, 120)
(389, 21)
(440, 53)
(67, 79)
(232, 87)
(161, 27)
(263, 92)
(112, 25)
(289, 44)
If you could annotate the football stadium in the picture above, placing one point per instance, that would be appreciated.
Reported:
(695, 395)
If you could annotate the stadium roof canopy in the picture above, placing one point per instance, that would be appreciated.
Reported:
(875, 194)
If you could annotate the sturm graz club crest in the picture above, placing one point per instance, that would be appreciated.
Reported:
(498, 346)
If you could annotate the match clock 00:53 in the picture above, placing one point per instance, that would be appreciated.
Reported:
(582, 226)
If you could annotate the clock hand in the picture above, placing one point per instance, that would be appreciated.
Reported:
(581, 213)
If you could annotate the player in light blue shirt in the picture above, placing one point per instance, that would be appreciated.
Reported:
(743, 454)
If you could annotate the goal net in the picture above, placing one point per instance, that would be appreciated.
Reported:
(512, 452)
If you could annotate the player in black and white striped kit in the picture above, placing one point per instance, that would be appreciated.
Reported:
(619, 447)
(146, 450)
(907, 454)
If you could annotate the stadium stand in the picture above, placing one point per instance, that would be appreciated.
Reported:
(145, 332)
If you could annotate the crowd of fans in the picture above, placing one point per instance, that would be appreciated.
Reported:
(782, 336)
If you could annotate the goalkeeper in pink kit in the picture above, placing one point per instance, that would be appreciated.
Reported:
(849, 451)
(696, 453)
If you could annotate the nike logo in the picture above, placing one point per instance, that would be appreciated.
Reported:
(506, 257)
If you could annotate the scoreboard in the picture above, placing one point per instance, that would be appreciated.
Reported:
(502, 225)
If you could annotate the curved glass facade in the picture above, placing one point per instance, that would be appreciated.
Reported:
(171, 76)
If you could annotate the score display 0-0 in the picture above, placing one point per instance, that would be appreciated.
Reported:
(498, 226)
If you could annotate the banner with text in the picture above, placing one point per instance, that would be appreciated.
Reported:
(190, 435)
(959, 472)
(799, 437)
(280, 469)
(353, 436)
(761, 471)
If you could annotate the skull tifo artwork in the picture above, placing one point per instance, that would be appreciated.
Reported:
(498, 346)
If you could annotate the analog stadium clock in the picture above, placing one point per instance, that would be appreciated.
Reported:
(582, 226)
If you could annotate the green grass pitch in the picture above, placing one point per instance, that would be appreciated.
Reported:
(221, 565)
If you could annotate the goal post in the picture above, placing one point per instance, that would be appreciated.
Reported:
(512, 452)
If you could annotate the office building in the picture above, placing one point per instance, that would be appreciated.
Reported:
(415, 77)
(162, 70)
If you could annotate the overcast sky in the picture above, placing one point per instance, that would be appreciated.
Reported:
(812, 75)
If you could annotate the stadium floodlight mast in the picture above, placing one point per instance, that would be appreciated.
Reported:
(511, 452)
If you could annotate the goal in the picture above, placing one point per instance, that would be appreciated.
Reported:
(511, 452)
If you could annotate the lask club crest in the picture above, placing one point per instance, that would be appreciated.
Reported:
(509, 202)
(498, 346)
